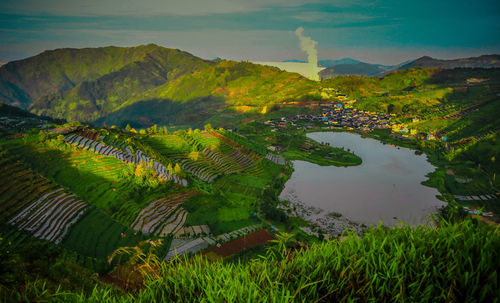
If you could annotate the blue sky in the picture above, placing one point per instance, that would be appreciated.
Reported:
(385, 31)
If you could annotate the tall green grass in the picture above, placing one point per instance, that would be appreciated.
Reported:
(455, 262)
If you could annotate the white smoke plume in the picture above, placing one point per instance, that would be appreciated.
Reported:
(309, 46)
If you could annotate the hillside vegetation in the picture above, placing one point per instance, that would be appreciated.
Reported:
(418, 91)
(454, 262)
(109, 214)
(106, 85)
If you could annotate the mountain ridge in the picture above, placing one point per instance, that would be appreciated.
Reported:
(91, 83)
(483, 61)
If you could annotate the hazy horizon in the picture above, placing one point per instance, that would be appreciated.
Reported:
(386, 32)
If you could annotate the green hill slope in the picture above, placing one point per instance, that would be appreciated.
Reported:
(91, 99)
(227, 89)
(62, 69)
(102, 83)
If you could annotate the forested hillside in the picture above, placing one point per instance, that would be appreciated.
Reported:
(106, 85)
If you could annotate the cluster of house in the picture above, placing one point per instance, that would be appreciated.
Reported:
(335, 115)
(405, 132)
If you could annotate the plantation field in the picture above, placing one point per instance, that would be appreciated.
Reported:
(118, 189)
(97, 236)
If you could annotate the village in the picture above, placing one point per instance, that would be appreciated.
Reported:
(336, 111)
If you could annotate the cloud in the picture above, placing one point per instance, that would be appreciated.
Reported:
(144, 7)
(254, 30)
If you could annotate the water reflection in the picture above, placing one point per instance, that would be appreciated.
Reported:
(385, 187)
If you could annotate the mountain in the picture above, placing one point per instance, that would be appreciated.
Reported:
(86, 72)
(484, 61)
(330, 63)
(228, 89)
(360, 68)
(92, 83)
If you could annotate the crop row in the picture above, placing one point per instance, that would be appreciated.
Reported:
(19, 186)
(242, 159)
(197, 170)
(257, 148)
(226, 164)
(186, 246)
(92, 135)
(99, 148)
(191, 231)
(243, 149)
(173, 223)
(276, 159)
(50, 216)
(119, 144)
(33, 203)
(153, 215)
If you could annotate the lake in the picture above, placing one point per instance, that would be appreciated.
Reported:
(385, 187)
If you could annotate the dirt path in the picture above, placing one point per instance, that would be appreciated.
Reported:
(233, 247)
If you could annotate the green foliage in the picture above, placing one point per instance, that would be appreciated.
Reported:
(455, 262)
(97, 236)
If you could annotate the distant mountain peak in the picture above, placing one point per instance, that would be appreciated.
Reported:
(484, 61)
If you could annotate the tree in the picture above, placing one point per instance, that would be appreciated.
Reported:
(194, 155)
(208, 127)
(128, 127)
(153, 129)
(177, 169)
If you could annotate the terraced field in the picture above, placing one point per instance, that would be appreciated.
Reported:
(124, 202)
(50, 216)
(276, 159)
(126, 157)
(37, 207)
(34, 204)
(97, 236)
(194, 245)
(19, 187)
(251, 155)
(214, 157)
(102, 181)
(163, 216)
(167, 144)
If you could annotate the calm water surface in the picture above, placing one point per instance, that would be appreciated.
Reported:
(384, 187)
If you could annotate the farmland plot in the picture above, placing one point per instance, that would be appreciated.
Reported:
(126, 157)
(161, 215)
(50, 216)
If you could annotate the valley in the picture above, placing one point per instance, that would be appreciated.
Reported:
(189, 171)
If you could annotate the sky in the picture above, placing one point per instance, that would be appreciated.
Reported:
(384, 32)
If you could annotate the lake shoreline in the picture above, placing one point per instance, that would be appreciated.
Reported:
(389, 186)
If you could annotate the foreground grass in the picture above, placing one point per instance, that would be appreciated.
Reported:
(450, 263)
